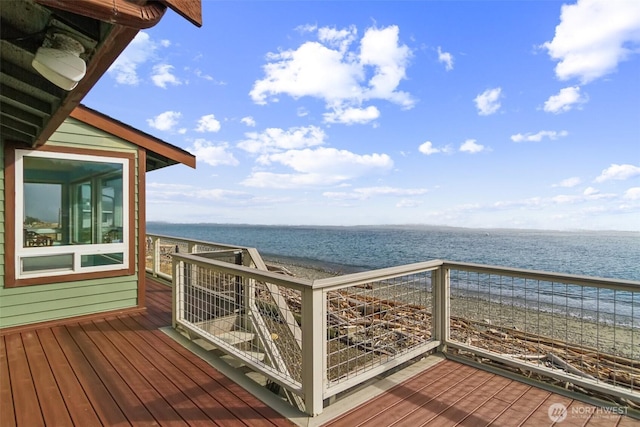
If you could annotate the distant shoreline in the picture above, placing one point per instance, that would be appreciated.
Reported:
(403, 226)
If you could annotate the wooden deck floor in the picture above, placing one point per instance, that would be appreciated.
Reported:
(118, 371)
(453, 394)
(122, 370)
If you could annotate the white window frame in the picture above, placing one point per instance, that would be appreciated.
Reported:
(76, 250)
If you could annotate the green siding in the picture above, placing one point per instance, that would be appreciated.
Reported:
(32, 304)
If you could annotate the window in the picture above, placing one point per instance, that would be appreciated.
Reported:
(72, 213)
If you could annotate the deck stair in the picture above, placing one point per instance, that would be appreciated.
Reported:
(237, 331)
(228, 330)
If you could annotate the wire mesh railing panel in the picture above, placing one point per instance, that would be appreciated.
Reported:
(287, 351)
(163, 247)
(372, 324)
(574, 330)
(236, 315)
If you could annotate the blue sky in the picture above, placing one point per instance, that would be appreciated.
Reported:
(514, 114)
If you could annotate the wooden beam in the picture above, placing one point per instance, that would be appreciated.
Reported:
(117, 40)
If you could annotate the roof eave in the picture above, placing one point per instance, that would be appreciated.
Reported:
(118, 39)
(135, 136)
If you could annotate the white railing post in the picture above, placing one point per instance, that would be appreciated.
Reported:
(176, 289)
(314, 326)
(441, 307)
(156, 256)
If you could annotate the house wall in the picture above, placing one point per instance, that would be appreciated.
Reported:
(39, 303)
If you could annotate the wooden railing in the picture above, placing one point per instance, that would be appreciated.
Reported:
(318, 338)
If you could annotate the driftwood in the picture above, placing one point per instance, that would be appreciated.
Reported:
(555, 360)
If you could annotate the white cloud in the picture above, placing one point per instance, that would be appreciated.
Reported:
(180, 192)
(352, 115)
(632, 193)
(618, 172)
(287, 180)
(316, 167)
(593, 37)
(208, 123)
(125, 68)
(368, 192)
(249, 121)
(589, 194)
(537, 137)
(168, 187)
(331, 69)
(470, 146)
(165, 121)
(212, 154)
(590, 191)
(198, 72)
(446, 58)
(330, 161)
(488, 102)
(380, 48)
(276, 139)
(311, 70)
(568, 183)
(162, 76)
(408, 203)
(338, 38)
(427, 148)
(565, 100)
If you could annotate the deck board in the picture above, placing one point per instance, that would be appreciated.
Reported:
(25, 399)
(53, 406)
(122, 370)
(451, 394)
(7, 416)
(96, 392)
(81, 411)
(470, 403)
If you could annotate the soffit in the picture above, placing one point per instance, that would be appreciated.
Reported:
(32, 108)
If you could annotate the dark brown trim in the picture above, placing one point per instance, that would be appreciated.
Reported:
(117, 40)
(191, 10)
(76, 277)
(119, 12)
(135, 136)
(142, 226)
(11, 280)
(69, 320)
(9, 213)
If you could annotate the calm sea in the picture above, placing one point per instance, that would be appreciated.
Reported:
(351, 249)
(611, 254)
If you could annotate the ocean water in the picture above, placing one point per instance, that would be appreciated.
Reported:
(345, 250)
(612, 254)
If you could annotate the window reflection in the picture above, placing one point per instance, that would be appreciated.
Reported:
(72, 202)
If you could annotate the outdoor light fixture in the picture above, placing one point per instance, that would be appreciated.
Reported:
(58, 60)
